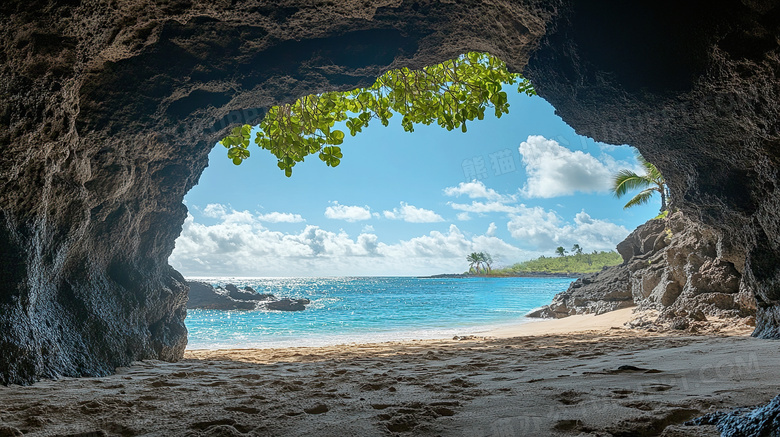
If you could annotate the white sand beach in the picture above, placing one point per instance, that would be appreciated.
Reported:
(557, 377)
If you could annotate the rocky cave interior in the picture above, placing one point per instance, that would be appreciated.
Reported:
(110, 110)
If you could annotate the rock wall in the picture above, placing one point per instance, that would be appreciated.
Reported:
(695, 86)
(683, 270)
(109, 110)
(107, 116)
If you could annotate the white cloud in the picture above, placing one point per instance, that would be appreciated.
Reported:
(280, 217)
(348, 213)
(413, 214)
(248, 249)
(219, 211)
(214, 210)
(491, 230)
(477, 190)
(463, 216)
(554, 170)
(544, 230)
(485, 207)
(368, 228)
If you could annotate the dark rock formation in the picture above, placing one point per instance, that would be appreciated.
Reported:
(596, 293)
(247, 293)
(288, 305)
(107, 116)
(696, 87)
(205, 296)
(759, 421)
(109, 110)
(679, 268)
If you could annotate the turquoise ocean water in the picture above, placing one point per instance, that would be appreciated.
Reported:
(371, 309)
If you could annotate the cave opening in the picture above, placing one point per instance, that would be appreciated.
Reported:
(401, 204)
(102, 122)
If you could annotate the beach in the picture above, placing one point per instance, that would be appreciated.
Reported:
(583, 375)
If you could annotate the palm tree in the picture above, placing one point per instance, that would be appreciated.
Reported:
(576, 249)
(650, 182)
(560, 251)
(474, 260)
(486, 259)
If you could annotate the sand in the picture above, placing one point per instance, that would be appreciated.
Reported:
(567, 382)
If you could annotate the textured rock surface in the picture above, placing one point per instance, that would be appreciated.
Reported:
(107, 115)
(288, 305)
(205, 296)
(108, 111)
(759, 421)
(677, 267)
(696, 87)
(246, 293)
(596, 293)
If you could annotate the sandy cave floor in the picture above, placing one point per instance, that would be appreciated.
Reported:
(564, 384)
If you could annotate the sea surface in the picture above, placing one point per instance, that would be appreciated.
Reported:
(370, 309)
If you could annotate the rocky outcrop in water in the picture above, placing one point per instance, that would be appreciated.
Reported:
(207, 297)
(287, 304)
(246, 293)
(109, 110)
(684, 271)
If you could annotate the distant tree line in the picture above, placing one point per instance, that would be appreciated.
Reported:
(479, 262)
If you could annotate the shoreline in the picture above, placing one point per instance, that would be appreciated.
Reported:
(514, 275)
(523, 327)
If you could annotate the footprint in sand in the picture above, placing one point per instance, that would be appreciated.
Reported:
(409, 416)
(243, 409)
(570, 397)
(317, 409)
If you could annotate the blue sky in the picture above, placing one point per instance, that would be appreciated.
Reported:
(411, 203)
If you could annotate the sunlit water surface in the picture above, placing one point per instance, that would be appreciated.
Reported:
(347, 310)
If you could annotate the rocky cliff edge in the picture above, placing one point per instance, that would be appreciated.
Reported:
(677, 273)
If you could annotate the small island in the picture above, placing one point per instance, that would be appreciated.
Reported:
(574, 264)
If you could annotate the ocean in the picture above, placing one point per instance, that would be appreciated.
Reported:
(370, 309)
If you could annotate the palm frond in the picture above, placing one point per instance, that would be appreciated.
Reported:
(627, 180)
(651, 170)
(641, 198)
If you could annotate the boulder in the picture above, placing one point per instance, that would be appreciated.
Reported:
(247, 293)
(676, 267)
(204, 296)
(757, 421)
(288, 304)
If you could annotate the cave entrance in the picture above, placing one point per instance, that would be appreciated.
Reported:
(402, 204)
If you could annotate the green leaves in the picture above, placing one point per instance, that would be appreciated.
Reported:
(448, 94)
(331, 155)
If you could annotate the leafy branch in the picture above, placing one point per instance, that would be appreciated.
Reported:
(448, 94)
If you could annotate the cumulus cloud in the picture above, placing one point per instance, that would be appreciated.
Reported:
(544, 230)
(413, 214)
(214, 210)
(554, 170)
(485, 207)
(494, 202)
(280, 217)
(477, 190)
(348, 213)
(249, 249)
